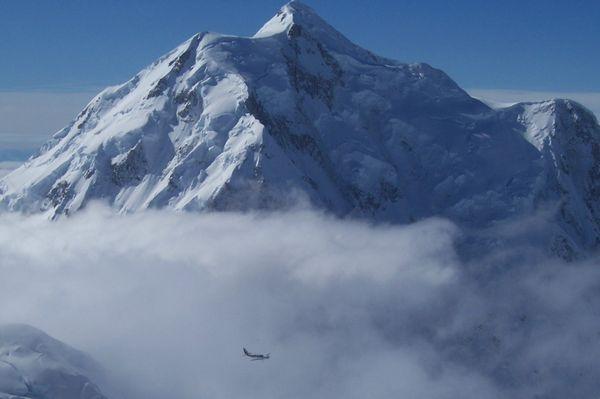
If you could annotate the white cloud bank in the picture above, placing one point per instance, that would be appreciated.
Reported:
(166, 301)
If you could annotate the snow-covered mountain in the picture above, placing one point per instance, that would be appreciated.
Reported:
(34, 366)
(299, 112)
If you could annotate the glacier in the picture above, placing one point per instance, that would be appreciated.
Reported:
(34, 365)
(298, 113)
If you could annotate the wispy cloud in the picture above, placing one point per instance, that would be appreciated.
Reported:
(8, 166)
(28, 118)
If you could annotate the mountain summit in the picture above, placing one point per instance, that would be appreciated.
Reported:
(296, 16)
(299, 111)
(294, 13)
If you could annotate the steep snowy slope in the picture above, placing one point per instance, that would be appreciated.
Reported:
(567, 137)
(298, 112)
(35, 366)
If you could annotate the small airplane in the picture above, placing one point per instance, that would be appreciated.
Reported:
(253, 356)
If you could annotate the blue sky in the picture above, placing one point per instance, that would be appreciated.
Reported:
(529, 45)
(56, 54)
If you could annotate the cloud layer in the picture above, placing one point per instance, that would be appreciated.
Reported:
(166, 301)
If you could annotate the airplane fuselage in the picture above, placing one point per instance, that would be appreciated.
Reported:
(253, 356)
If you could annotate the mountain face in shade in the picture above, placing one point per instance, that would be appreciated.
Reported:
(35, 366)
(298, 112)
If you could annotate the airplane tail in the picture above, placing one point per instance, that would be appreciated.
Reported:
(246, 352)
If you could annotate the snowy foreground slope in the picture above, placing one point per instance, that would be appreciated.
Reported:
(35, 366)
(298, 112)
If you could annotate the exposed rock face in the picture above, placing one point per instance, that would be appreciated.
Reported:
(225, 122)
(36, 366)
